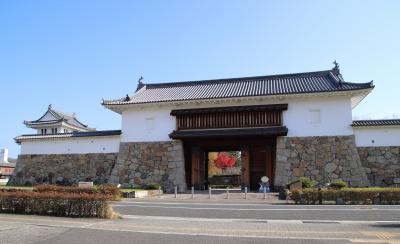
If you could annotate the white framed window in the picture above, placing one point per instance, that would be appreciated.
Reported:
(314, 116)
(149, 124)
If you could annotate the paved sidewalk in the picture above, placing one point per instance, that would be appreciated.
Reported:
(20, 229)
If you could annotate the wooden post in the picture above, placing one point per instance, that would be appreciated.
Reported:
(196, 164)
(245, 166)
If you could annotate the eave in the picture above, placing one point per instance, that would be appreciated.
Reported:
(356, 95)
(72, 135)
(226, 133)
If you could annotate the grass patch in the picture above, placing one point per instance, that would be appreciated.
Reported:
(25, 188)
(127, 190)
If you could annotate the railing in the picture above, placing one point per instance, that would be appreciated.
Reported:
(229, 120)
(229, 117)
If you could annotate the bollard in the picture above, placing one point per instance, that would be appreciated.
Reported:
(245, 192)
(209, 193)
(265, 193)
(192, 192)
(227, 193)
(176, 191)
(159, 191)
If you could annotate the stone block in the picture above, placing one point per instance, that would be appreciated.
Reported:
(330, 167)
(157, 162)
(298, 172)
(318, 157)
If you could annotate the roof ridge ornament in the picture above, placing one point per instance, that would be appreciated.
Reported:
(336, 71)
(140, 84)
(127, 98)
(50, 106)
(336, 68)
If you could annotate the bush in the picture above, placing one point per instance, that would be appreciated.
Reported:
(56, 204)
(110, 190)
(305, 182)
(348, 195)
(338, 184)
(151, 186)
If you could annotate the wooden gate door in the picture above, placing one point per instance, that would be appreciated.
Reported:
(260, 164)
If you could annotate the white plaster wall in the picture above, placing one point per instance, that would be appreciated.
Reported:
(109, 144)
(335, 118)
(377, 136)
(151, 124)
(60, 129)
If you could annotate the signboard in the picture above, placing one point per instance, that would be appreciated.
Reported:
(396, 180)
(296, 186)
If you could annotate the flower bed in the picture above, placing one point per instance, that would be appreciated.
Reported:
(347, 196)
(57, 204)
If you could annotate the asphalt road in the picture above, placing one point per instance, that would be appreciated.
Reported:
(189, 222)
(223, 210)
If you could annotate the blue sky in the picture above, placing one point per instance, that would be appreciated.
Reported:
(74, 53)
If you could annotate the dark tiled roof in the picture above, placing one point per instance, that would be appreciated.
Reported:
(378, 122)
(68, 135)
(59, 117)
(311, 82)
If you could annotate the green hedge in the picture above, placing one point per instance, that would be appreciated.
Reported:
(112, 191)
(56, 204)
(347, 195)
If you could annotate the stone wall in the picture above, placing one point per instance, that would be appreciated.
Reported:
(323, 159)
(63, 168)
(150, 162)
(382, 164)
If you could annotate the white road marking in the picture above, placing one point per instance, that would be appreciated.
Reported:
(257, 209)
(272, 221)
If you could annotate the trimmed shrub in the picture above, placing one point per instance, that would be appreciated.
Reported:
(338, 184)
(151, 186)
(348, 195)
(56, 204)
(110, 190)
